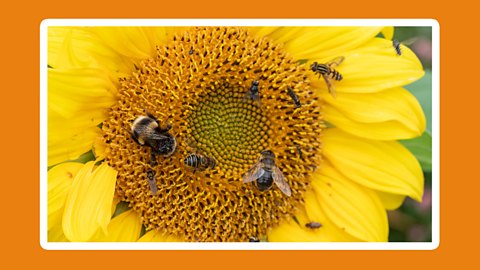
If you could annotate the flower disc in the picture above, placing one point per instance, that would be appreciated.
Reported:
(200, 80)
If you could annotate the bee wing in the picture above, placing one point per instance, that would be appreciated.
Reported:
(253, 173)
(336, 61)
(331, 86)
(258, 101)
(157, 136)
(282, 184)
(409, 41)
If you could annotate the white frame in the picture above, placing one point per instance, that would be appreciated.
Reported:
(243, 246)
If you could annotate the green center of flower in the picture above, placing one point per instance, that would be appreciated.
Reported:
(229, 128)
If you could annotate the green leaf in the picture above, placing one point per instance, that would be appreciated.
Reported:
(88, 156)
(421, 148)
(422, 90)
(121, 207)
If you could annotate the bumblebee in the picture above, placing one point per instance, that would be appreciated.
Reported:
(198, 160)
(265, 172)
(151, 181)
(329, 74)
(253, 93)
(254, 239)
(313, 225)
(146, 130)
(396, 44)
(294, 97)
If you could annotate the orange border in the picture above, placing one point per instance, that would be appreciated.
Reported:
(20, 198)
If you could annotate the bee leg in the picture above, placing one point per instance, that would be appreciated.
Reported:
(204, 179)
(169, 126)
(149, 114)
(134, 138)
(249, 191)
(191, 174)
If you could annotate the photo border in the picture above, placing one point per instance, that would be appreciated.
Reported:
(242, 246)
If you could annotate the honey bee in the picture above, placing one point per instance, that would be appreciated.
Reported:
(254, 239)
(198, 160)
(329, 74)
(396, 44)
(313, 225)
(151, 181)
(265, 172)
(294, 97)
(146, 130)
(253, 93)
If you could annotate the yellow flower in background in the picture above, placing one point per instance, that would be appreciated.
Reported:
(346, 177)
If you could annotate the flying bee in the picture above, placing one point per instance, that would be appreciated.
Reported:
(198, 160)
(254, 239)
(253, 93)
(151, 181)
(313, 225)
(294, 97)
(146, 130)
(396, 44)
(265, 172)
(329, 74)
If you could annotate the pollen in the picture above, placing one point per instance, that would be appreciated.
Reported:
(200, 80)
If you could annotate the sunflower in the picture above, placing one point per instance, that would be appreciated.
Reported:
(339, 156)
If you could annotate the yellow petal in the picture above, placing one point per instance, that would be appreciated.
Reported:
(387, 32)
(287, 34)
(89, 202)
(303, 218)
(262, 31)
(67, 59)
(84, 46)
(292, 232)
(354, 208)
(330, 42)
(393, 114)
(100, 149)
(60, 128)
(72, 148)
(391, 201)
(116, 200)
(73, 92)
(315, 212)
(60, 178)
(133, 42)
(384, 166)
(373, 67)
(125, 227)
(55, 234)
(153, 236)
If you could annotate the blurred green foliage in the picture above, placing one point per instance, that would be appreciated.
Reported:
(412, 222)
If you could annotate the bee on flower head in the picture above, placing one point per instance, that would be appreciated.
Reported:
(294, 97)
(254, 239)
(151, 181)
(253, 93)
(146, 131)
(197, 160)
(265, 172)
